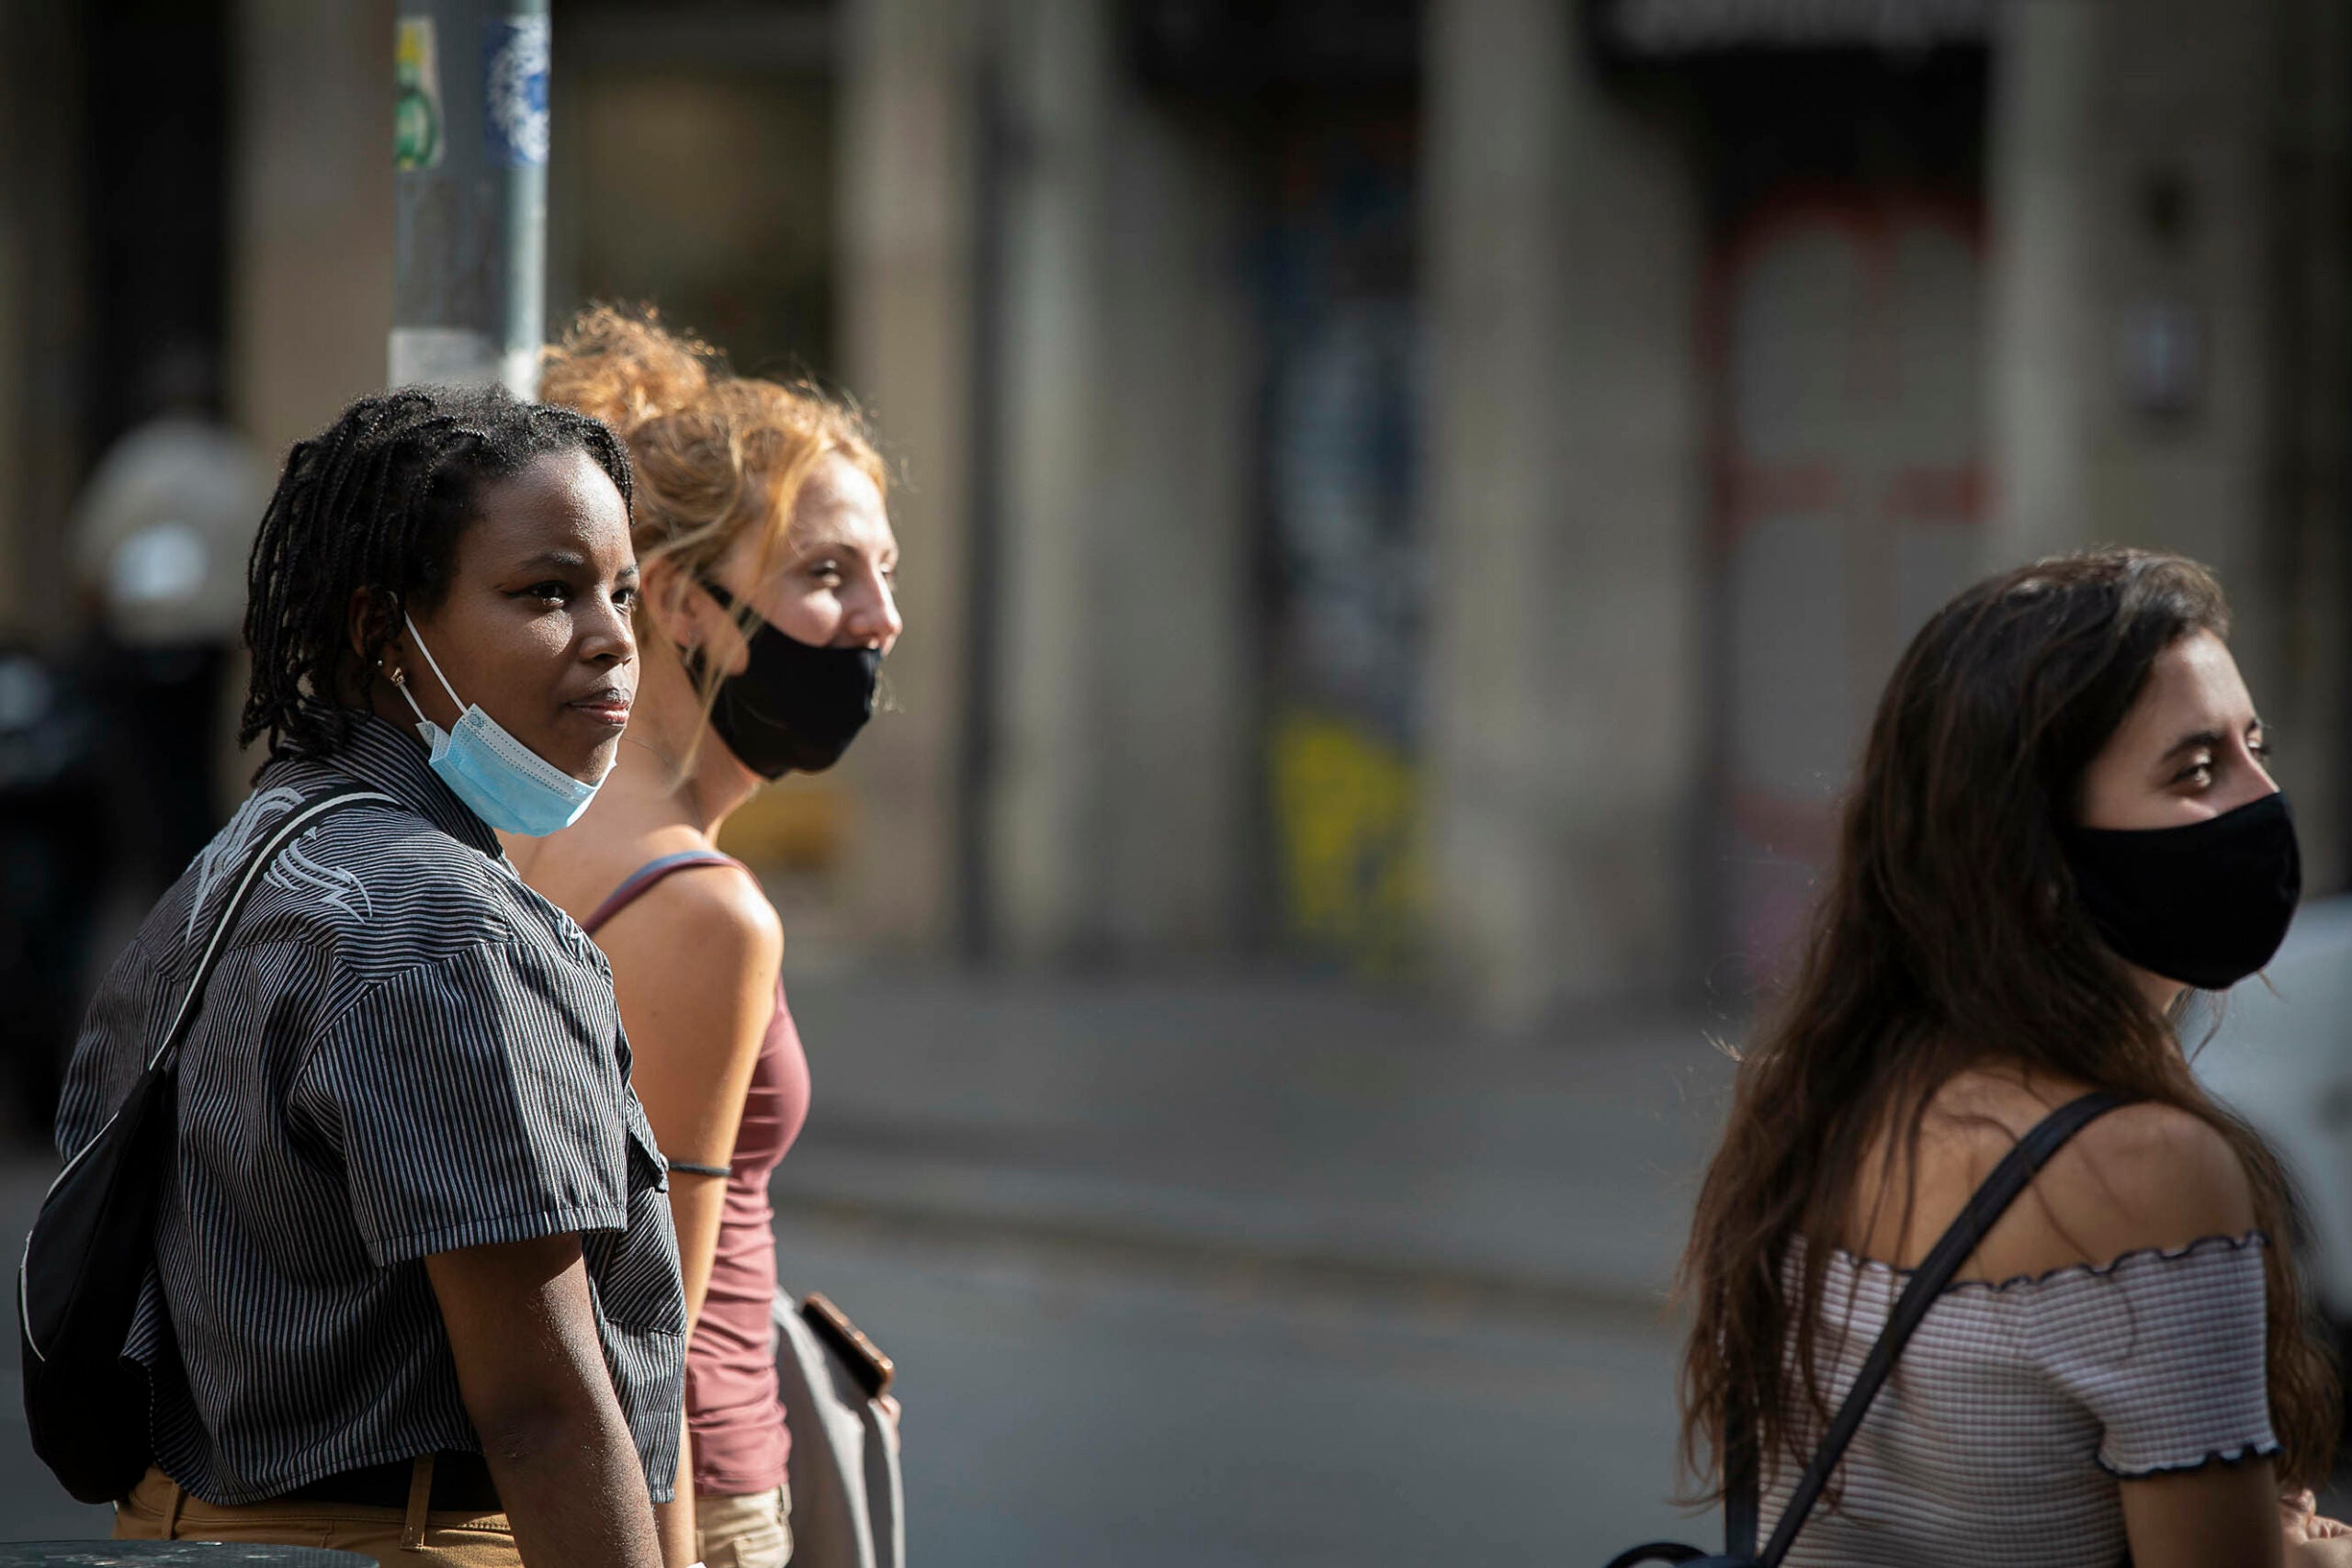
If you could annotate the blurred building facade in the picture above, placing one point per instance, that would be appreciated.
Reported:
(1432, 487)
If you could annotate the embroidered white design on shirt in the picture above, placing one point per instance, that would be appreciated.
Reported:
(296, 872)
(233, 844)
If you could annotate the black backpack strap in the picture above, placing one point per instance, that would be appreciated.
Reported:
(1742, 1505)
(292, 826)
(1927, 1281)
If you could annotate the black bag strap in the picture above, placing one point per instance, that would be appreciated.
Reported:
(1928, 1282)
(1741, 1491)
(295, 823)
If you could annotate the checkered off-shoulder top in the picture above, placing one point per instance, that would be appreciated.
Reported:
(2020, 1405)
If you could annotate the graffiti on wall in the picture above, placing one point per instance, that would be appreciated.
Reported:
(1344, 556)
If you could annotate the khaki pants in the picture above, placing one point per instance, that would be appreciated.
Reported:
(744, 1532)
(160, 1509)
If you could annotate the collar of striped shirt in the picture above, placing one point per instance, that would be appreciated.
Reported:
(385, 756)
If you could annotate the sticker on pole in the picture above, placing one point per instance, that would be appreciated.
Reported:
(417, 108)
(515, 67)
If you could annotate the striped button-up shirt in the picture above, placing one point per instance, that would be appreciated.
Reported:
(404, 1051)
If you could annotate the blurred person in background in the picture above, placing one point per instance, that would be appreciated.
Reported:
(2062, 823)
(157, 545)
(112, 754)
(768, 607)
(57, 851)
(415, 1293)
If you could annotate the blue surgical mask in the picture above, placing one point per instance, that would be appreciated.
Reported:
(504, 782)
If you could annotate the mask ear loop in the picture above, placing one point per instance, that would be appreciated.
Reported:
(749, 624)
(747, 620)
(455, 701)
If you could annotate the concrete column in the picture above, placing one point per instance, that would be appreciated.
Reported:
(2042, 351)
(2313, 327)
(2169, 177)
(310, 231)
(1047, 836)
(2190, 108)
(2187, 105)
(1172, 709)
(904, 275)
(1564, 461)
(311, 235)
(1110, 787)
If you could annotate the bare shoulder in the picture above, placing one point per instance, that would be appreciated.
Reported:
(2164, 1175)
(698, 921)
(2140, 1176)
(695, 963)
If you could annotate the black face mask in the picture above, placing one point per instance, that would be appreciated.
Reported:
(2206, 904)
(795, 708)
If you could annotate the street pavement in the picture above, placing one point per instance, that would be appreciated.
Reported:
(1262, 1271)
(1263, 1117)
(1064, 1409)
(1230, 1271)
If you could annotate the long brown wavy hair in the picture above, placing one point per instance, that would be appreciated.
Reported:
(1948, 935)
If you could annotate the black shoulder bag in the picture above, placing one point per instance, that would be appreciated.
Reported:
(1741, 1501)
(87, 1259)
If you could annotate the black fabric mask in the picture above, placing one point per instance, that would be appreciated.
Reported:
(795, 707)
(2206, 904)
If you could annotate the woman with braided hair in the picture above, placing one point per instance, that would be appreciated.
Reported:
(769, 605)
(415, 1294)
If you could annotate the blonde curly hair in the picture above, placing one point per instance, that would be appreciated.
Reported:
(720, 457)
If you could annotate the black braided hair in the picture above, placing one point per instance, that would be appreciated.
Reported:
(378, 502)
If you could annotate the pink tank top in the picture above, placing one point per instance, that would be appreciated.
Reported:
(733, 1413)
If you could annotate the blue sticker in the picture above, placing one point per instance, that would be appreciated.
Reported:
(514, 61)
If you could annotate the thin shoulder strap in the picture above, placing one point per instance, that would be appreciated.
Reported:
(296, 823)
(634, 885)
(1927, 1281)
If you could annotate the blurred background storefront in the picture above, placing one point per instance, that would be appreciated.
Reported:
(1407, 506)
(1427, 490)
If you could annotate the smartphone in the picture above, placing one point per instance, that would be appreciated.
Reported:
(867, 1364)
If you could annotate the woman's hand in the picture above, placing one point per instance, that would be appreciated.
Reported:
(2301, 1518)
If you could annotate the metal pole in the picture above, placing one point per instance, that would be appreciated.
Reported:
(469, 145)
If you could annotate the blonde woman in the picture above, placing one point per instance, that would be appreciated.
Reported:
(767, 607)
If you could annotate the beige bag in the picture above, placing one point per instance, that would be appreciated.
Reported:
(848, 1502)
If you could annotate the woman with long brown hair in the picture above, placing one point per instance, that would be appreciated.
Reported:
(767, 607)
(2062, 823)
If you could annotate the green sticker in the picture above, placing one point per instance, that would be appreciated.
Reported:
(416, 112)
